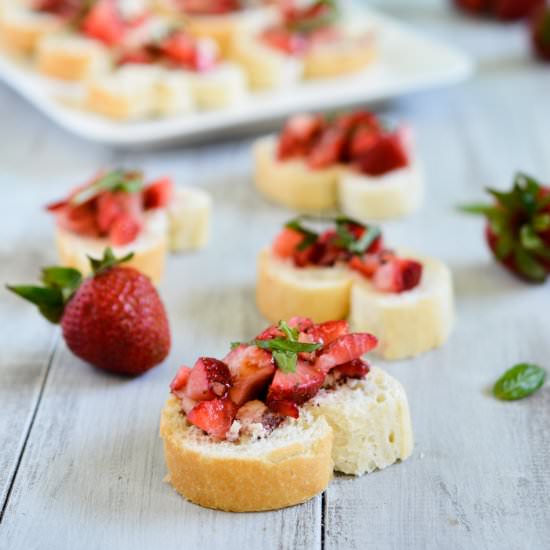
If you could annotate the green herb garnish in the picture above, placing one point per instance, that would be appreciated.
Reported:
(117, 180)
(518, 382)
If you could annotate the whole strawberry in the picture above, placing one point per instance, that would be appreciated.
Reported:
(540, 30)
(518, 228)
(114, 319)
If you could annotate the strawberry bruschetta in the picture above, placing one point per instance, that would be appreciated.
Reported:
(265, 427)
(350, 162)
(120, 210)
(345, 271)
(303, 41)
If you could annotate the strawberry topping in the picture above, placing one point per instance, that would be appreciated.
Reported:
(158, 194)
(266, 380)
(104, 22)
(209, 7)
(357, 139)
(397, 275)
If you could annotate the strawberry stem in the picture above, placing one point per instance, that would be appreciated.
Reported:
(108, 261)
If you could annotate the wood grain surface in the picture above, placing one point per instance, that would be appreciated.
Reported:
(81, 463)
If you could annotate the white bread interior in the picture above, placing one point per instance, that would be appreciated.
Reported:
(222, 86)
(149, 248)
(283, 290)
(72, 57)
(291, 182)
(189, 219)
(265, 67)
(392, 195)
(370, 420)
(408, 323)
(21, 28)
(174, 94)
(288, 467)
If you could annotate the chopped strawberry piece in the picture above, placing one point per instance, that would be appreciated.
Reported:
(295, 387)
(124, 230)
(209, 378)
(286, 408)
(345, 349)
(252, 369)
(158, 194)
(363, 140)
(256, 412)
(386, 155)
(214, 417)
(104, 22)
(63, 8)
(358, 368)
(286, 242)
(301, 323)
(349, 122)
(329, 150)
(209, 7)
(56, 207)
(284, 40)
(367, 264)
(328, 331)
(184, 50)
(398, 275)
(299, 135)
(78, 219)
(179, 382)
(270, 332)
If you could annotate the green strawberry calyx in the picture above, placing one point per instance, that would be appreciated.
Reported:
(519, 220)
(59, 284)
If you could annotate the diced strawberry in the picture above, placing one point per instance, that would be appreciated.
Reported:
(398, 275)
(63, 8)
(362, 141)
(124, 230)
(286, 408)
(286, 242)
(349, 122)
(366, 264)
(358, 368)
(252, 369)
(158, 194)
(139, 56)
(184, 50)
(345, 349)
(56, 207)
(295, 387)
(284, 40)
(328, 331)
(299, 135)
(209, 378)
(179, 382)
(256, 412)
(329, 150)
(104, 22)
(209, 7)
(386, 155)
(270, 332)
(301, 323)
(79, 219)
(214, 416)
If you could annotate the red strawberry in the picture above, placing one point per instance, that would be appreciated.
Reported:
(354, 369)
(328, 331)
(386, 155)
(256, 412)
(299, 135)
(104, 22)
(208, 379)
(349, 122)
(112, 205)
(398, 275)
(210, 7)
(366, 264)
(345, 349)
(114, 319)
(294, 387)
(214, 417)
(282, 39)
(362, 141)
(285, 408)
(78, 219)
(125, 230)
(540, 31)
(300, 323)
(177, 386)
(185, 51)
(158, 194)
(286, 242)
(252, 369)
(328, 150)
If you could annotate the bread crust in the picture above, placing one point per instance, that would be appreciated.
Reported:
(220, 28)
(282, 290)
(291, 183)
(290, 475)
(410, 323)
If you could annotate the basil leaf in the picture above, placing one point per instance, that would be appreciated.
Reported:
(364, 243)
(291, 333)
(310, 237)
(235, 345)
(285, 361)
(518, 382)
(280, 344)
(116, 180)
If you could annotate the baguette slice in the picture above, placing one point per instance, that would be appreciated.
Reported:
(265, 67)
(189, 219)
(72, 57)
(370, 420)
(408, 323)
(292, 183)
(222, 86)
(149, 248)
(283, 291)
(346, 56)
(290, 466)
(21, 28)
(391, 195)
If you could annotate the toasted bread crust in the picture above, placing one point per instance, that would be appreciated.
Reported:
(291, 183)
(292, 474)
(21, 38)
(283, 291)
(150, 260)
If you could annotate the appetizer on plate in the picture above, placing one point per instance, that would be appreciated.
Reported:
(346, 270)
(304, 41)
(350, 162)
(264, 427)
(119, 209)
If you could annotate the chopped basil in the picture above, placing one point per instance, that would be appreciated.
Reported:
(518, 382)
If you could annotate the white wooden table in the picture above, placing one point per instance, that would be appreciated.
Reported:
(81, 464)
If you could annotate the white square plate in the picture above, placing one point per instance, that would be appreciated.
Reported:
(407, 62)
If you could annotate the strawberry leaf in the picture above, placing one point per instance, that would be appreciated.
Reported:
(541, 222)
(50, 301)
(529, 267)
(65, 279)
(108, 261)
(518, 382)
